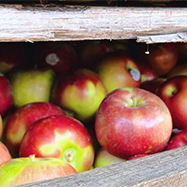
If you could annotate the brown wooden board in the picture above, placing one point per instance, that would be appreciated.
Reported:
(166, 169)
(70, 23)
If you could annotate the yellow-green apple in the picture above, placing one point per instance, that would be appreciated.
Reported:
(133, 121)
(178, 140)
(59, 136)
(20, 171)
(58, 56)
(174, 93)
(104, 158)
(20, 121)
(12, 54)
(6, 95)
(5, 154)
(179, 69)
(118, 70)
(80, 92)
(153, 85)
(162, 57)
(31, 85)
(91, 51)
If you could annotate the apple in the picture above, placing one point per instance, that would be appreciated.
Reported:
(162, 57)
(104, 158)
(5, 154)
(173, 92)
(31, 85)
(80, 92)
(133, 121)
(58, 56)
(20, 121)
(153, 85)
(59, 136)
(12, 54)
(6, 95)
(179, 69)
(20, 171)
(91, 51)
(178, 140)
(137, 156)
(147, 72)
(118, 70)
(1, 127)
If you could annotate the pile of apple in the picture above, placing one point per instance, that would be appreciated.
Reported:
(68, 107)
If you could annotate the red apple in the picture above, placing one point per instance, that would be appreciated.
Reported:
(80, 92)
(58, 56)
(1, 127)
(133, 121)
(104, 158)
(147, 72)
(153, 85)
(31, 85)
(118, 70)
(20, 171)
(179, 69)
(12, 54)
(174, 93)
(5, 154)
(92, 51)
(59, 136)
(178, 140)
(162, 57)
(6, 95)
(137, 156)
(20, 121)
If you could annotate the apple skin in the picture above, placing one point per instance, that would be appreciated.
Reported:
(92, 51)
(80, 92)
(31, 85)
(20, 121)
(6, 95)
(5, 154)
(179, 69)
(59, 136)
(153, 85)
(137, 156)
(1, 127)
(162, 57)
(12, 54)
(104, 158)
(133, 121)
(58, 56)
(118, 70)
(177, 140)
(20, 171)
(173, 92)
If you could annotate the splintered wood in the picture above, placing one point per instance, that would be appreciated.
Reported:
(68, 23)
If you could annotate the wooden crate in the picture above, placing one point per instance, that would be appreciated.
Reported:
(150, 24)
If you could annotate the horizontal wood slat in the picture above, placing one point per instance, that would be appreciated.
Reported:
(168, 168)
(68, 23)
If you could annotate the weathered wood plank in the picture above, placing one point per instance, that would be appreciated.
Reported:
(67, 23)
(157, 170)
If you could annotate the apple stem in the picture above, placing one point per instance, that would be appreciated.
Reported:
(32, 157)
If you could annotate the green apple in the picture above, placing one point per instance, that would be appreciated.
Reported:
(31, 85)
(104, 158)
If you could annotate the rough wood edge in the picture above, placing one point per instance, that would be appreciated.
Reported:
(167, 168)
(70, 23)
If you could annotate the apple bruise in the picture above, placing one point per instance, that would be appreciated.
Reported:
(126, 130)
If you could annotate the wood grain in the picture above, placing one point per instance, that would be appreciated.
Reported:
(68, 23)
(157, 170)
